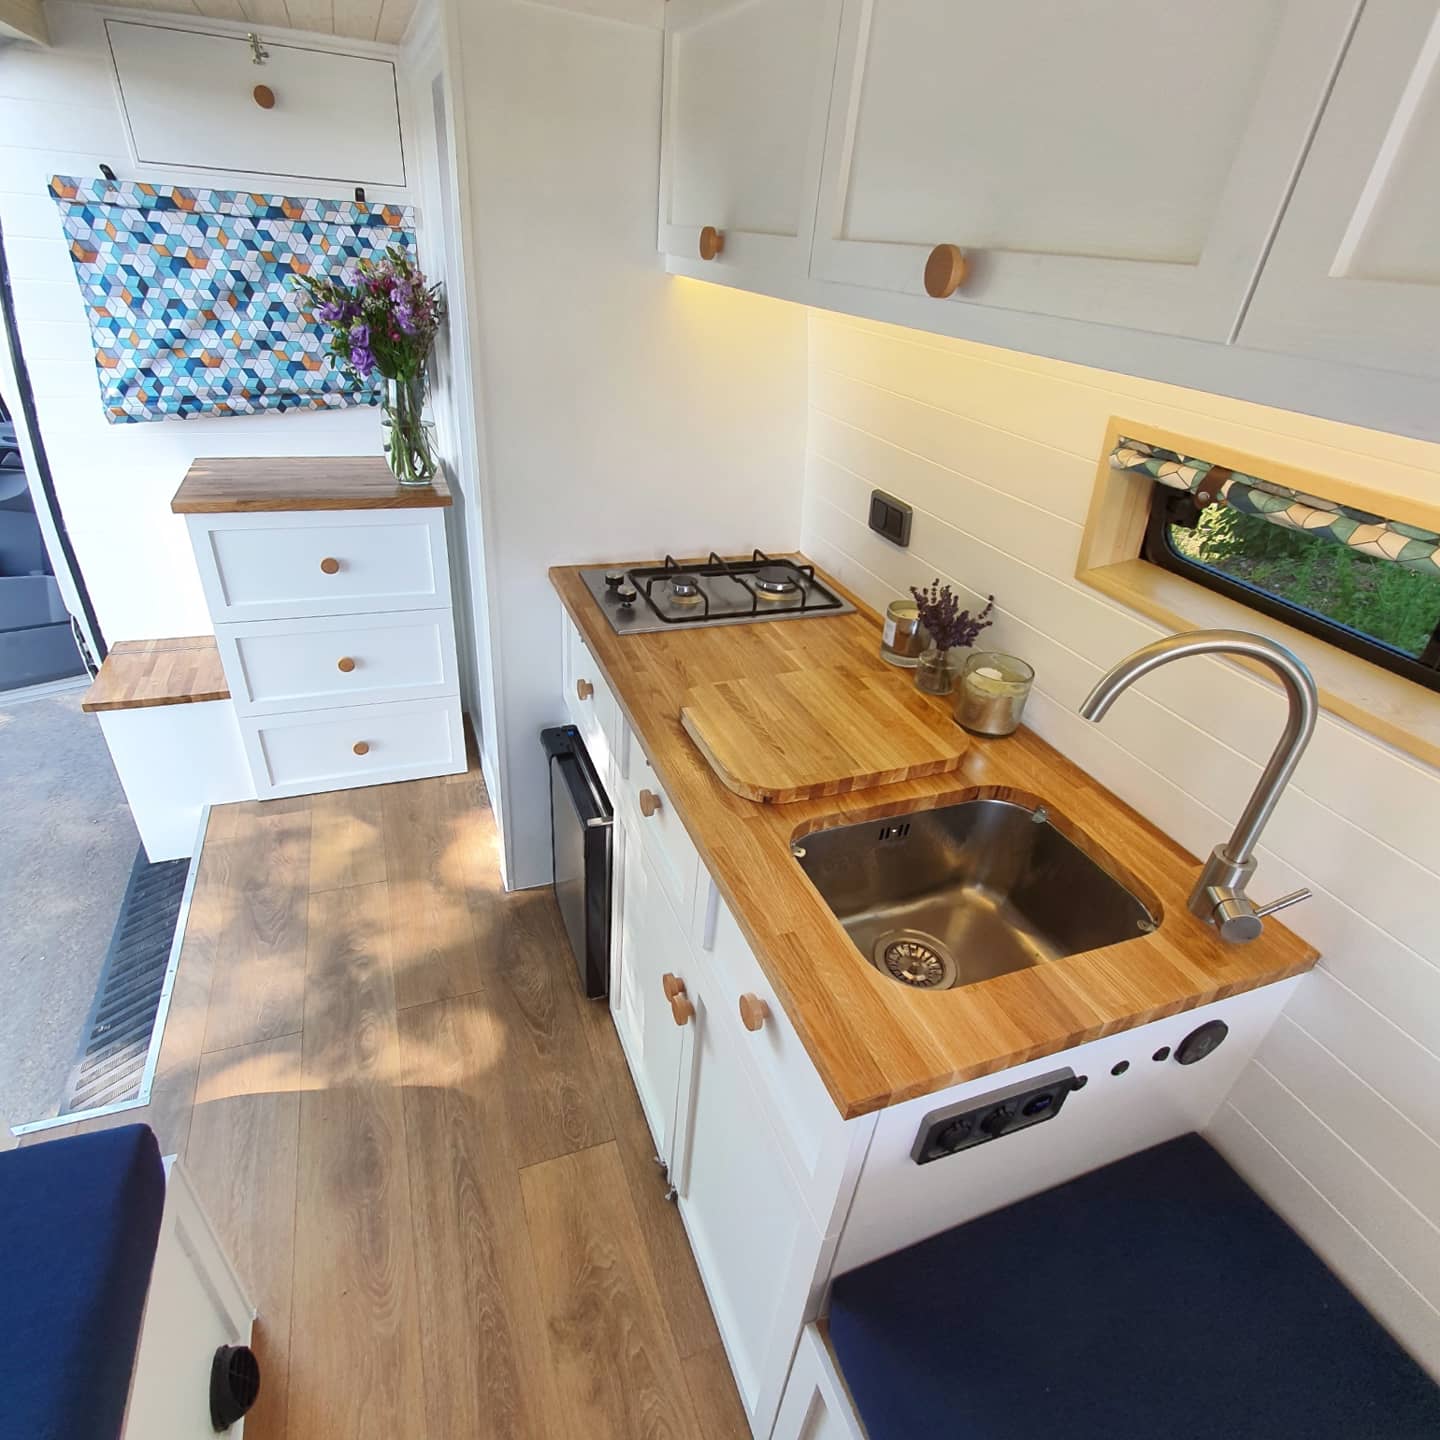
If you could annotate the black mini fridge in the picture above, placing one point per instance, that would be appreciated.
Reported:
(581, 837)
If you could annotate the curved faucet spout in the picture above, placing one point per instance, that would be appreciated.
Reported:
(1219, 894)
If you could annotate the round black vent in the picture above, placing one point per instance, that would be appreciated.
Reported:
(234, 1384)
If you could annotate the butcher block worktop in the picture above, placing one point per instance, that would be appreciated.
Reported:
(318, 482)
(873, 1041)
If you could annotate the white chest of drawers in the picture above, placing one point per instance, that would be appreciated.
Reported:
(329, 587)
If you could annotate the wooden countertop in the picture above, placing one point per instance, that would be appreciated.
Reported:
(873, 1041)
(338, 482)
(138, 674)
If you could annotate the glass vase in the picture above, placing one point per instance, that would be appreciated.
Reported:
(932, 672)
(408, 438)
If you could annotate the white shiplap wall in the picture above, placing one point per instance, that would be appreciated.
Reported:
(59, 113)
(1338, 1121)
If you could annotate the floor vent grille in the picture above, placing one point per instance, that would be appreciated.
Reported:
(116, 1039)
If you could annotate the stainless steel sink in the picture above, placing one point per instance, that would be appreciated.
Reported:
(948, 897)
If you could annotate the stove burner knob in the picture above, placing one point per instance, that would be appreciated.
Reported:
(614, 579)
(625, 594)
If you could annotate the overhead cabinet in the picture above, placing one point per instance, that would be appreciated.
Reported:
(1108, 182)
(188, 97)
(747, 87)
(1109, 160)
(1355, 270)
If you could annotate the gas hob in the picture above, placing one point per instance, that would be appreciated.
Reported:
(675, 595)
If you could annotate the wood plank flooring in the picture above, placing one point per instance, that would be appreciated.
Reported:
(419, 1143)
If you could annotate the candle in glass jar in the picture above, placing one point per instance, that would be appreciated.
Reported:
(903, 638)
(993, 691)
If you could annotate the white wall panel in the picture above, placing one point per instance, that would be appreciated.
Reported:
(1339, 1121)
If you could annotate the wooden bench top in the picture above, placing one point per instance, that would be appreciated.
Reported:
(138, 674)
(321, 482)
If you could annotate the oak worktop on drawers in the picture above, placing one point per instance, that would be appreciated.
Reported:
(233, 486)
(873, 1041)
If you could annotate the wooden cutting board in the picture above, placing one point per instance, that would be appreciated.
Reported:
(807, 733)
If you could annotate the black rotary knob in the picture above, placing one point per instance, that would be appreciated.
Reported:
(614, 579)
(996, 1121)
(625, 594)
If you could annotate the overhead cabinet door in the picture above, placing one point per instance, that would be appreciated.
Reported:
(189, 101)
(1354, 274)
(1120, 161)
(747, 87)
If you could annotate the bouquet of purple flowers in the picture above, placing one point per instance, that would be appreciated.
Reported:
(382, 315)
(948, 626)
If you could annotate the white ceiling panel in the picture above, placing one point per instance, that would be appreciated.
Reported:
(383, 20)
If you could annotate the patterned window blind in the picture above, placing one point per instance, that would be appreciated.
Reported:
(1406, 545)
(189, 298)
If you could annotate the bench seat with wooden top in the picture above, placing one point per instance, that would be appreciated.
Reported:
(165, 710)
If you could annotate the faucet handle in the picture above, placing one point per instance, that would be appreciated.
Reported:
(1284, 902)
(1238, 918)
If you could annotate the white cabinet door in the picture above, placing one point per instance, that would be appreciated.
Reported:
(747, 87)
(754, 1241)
(1354, 274)
(1119, 161)
(816, 1406)
(651, 946)
(188, 101)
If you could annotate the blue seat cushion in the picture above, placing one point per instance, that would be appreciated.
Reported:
(80, 1219)
(1158, 1297)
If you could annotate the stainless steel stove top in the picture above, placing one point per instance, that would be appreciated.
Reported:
(676, 595)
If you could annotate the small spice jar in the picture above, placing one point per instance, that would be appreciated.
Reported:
(903, 637)
(992, 694)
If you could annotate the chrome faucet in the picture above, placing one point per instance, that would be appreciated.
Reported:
(1219, 896)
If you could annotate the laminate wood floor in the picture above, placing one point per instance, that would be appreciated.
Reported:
(419, 1143)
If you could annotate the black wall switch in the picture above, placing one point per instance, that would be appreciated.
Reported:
(890, 517)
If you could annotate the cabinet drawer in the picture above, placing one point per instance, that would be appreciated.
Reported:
(284, 566)
(807, 1123)
(666, 843)
(317, 750)
(588, 700)
(816, 1405)
(276, 666)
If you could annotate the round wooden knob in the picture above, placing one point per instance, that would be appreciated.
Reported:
(712, 243)
(264, 97)
(682, 1010)
(361, 747)
(330, 565)
(584, 689)
(673, 985)
(754, 1012)
(345, 663)
(649, 803)
(945, 271)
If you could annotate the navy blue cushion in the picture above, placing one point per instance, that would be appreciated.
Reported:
(1156, 1297)
(80, 1219)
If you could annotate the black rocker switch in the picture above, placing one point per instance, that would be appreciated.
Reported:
(890, 517)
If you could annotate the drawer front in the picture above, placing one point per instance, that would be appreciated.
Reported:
(275, 666)
(588, 700)
(669, 847)
(806, 1120)
(310, 752)
(285, 566)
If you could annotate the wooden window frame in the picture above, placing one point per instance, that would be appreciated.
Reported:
(1398, 711)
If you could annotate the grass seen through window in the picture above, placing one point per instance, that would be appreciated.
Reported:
(1400, 608)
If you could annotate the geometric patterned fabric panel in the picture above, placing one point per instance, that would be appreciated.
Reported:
(189, 298)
